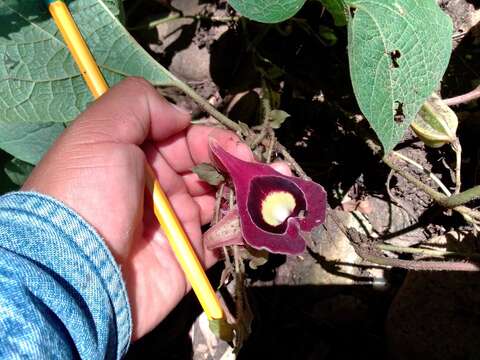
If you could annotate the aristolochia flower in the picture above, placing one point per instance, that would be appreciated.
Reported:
(274, 209)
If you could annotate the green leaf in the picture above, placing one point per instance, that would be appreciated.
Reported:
(28, 141)
(267, 11)
(208, 173)
(39, 81)
(398, 52)
(337, 9)
(327, 34)
(277, 118)
(18, 171)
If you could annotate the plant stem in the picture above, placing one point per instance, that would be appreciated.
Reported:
(449, 202)
(213, 18)
(368, 251)
(258, 139)
(418, 265)
(461, 198)
(236, 257)
(271, 144)
(420, 167)
(454, 202)
(461, 99)
(291, 161)
(458, 165)
(211, 121)
(176, 15)
(466, 211)
(241, 301)
(218, 200)
(426, 252)
(232, 125)
(435, 195)
(154, 23)
(267, 109)
(216, 219)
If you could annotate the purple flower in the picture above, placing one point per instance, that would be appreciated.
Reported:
(274, 209)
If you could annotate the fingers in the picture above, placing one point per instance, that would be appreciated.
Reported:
(130, 112)
(186, 209)
(282, 167)
(189, 213)
(176, 152)
(196, 186)
(190, 148)
(197, 138)
(170, 181)
(206, 204)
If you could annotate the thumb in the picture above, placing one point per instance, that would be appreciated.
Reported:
(128, 113)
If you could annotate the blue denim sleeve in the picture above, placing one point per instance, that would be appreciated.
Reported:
(61, 292)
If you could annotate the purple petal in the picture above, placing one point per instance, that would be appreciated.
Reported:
(224, 233)
(274, 208)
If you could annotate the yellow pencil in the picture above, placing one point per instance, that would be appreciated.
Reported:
(163, 210)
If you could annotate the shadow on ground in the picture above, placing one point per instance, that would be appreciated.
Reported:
(292, 322)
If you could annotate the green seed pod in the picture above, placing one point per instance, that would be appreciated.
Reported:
(435, 124)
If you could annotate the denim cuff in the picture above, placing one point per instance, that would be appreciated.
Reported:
(77, 236)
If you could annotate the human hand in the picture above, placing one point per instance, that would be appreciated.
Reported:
(96, 167)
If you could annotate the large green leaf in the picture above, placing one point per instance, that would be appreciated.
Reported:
(398, 52)
(28, 141)
(267, 11)
(39, 82)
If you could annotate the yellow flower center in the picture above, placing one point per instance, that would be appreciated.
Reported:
(277, 207)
